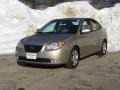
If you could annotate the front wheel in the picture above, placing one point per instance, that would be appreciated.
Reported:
(73, 59)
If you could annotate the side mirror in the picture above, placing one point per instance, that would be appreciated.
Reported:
(84, 31)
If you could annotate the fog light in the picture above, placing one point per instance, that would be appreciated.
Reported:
(53, 61)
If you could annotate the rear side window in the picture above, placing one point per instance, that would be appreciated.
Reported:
(95, 26)
(85, 25)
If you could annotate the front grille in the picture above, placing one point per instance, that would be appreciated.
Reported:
(36, 60)
(32, 48)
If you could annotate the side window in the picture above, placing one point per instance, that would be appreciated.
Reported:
(95, 26)
(85, 25)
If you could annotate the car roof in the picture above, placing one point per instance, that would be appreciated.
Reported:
(74, 19)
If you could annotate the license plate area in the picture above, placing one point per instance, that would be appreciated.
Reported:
(31, 55)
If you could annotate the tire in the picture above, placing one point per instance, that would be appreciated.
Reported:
(73, 59)
(103, 48)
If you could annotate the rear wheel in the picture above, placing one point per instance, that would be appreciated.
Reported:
(73, 59)
(103, 48)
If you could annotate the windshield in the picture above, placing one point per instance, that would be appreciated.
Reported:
(60, 26)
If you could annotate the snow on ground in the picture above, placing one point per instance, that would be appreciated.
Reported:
(18, 21)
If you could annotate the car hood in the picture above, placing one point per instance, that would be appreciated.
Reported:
(41, 39)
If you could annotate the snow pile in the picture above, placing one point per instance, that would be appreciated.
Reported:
(18, 21)
(110, 19)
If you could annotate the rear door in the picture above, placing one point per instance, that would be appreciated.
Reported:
(97, 34)
(86, 40)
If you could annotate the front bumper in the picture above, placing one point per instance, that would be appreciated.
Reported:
(38, 63)
(60, 56)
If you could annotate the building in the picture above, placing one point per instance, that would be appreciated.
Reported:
(99, 4)
(41, 4)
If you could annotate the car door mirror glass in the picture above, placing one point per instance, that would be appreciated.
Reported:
(85, 31)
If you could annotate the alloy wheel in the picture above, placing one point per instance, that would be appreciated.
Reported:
(74, 57)
(104, 48)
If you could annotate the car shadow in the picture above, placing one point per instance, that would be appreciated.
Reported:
(41, 66)
(89, 56)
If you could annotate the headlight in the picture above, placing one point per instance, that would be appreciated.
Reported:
(20, 45)
(54, 45)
